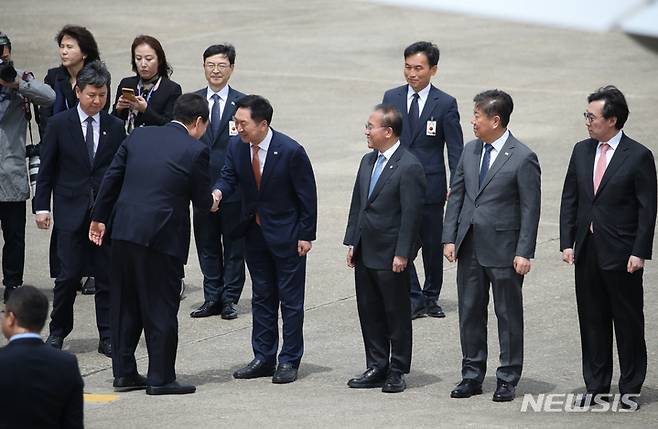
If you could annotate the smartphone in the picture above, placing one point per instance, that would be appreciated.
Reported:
(128, 93)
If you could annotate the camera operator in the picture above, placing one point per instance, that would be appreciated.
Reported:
(18, 89)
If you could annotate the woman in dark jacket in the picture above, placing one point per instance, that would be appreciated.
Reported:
(154, 92)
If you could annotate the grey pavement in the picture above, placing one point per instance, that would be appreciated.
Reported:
(323, 65)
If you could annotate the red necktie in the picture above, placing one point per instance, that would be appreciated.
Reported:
(255, 167)
(601, 164)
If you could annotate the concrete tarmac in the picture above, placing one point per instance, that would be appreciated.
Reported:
(323, 65)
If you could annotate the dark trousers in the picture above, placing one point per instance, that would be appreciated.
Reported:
(473, 281)
(12, 222)
(74, 252)
(431, 230)
(223, 271)
(275, 282)
(606, 298)
(382, 298)
(145, 295)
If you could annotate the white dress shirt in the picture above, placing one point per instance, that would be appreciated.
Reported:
(96, 126)
(262, 149)
(613, 142)
(387, 155)
(223, 96)
(25, 335)
(497, 146)
(422, 98)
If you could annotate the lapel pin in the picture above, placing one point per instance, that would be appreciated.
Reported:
(506, 153)
(233, 103)
(276, 153)
(104, 133)
(390, 166)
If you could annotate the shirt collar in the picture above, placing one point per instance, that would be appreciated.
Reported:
(223, 93)
(265, 144)
(613, 142)
(25, 335)
(83, 116)
(423, 93)
(390, 151)
(499, 142)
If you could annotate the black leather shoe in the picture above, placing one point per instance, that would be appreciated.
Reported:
(55, 341)
(587, 399)
(209, 308)
(373, 377)
(285, 373)
(105, 347)
(229, 312)
(173, 388)
(466, 388)
(505, 392)
(126, 384)
(255, 369)
(435, 310)
(418, 312)
(394, 383)
(89, 286)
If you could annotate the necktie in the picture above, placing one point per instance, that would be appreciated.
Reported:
(215, 116)
(255, 167)
(601, 164)
(413, 114)
(89, 138)
(381, 159)
(484, 168)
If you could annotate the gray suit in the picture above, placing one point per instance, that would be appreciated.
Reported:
(490, 225)
(380, 227)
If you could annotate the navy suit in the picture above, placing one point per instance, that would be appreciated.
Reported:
(42, 387)
(223, 272)
(286, 204)
(73, 182)
(442, 108)
(144, 201)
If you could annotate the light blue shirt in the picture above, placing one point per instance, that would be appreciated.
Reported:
(25, 335)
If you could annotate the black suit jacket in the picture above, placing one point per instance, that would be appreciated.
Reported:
(442, 108)
(145, 195)
(388, 223)
(66, 172)
(160, 108)
(42, 387)
(623, 211)
(218, 143)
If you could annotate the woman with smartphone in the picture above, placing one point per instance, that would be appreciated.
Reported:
(148, 97)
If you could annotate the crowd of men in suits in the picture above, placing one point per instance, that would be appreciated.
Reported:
(126, 197)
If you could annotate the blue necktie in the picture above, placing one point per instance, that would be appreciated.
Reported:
(484, 168)
(413, 114)
(215, 117)
(381, 159)
(89, 138)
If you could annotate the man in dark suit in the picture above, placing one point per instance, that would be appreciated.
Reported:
(223, 276)
(42, 386)
(491, 228)
(77, 148)
(279, 220)
(144, 201)
(430, 123)
(607, 222)
(382, 235)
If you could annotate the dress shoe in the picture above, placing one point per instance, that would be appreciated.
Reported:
(420, 311)
(255, 369)
(505, 392)
(466, 388)
(126, 384)
(105, 347)
(173, 388)
(373, 377)
(229, 312)
(394, 383)
(285, 373)
(89, 286)
(435, 310)
(209, 308)
(55, 341)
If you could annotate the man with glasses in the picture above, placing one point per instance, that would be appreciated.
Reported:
(383, 238)
(607, 222)
(221, 255)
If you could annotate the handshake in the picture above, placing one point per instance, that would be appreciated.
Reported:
(216, 198)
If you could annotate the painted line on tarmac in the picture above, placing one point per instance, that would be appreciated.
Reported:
(98, 398)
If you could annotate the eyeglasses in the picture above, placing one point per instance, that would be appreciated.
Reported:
(589, 117)
(220, 66)
(369, 127)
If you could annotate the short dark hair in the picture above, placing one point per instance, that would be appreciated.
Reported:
(495, 102)
(614, 104)
(94, 73)
(430, 50)
(84, 38)
(30, 306)
(392, 117)
(223, 49)
(261, 109)
(190, 106)
(5, 41)
(164, 69)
